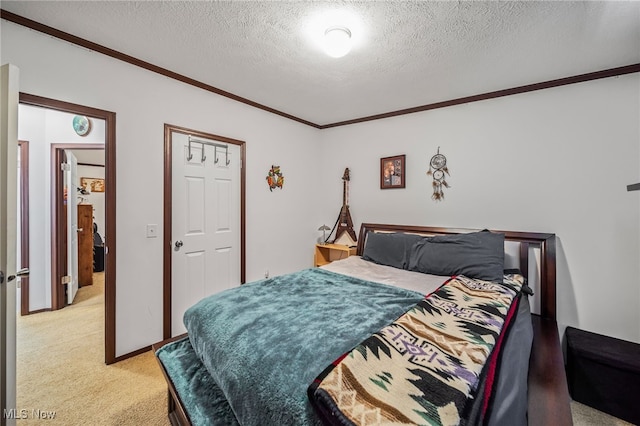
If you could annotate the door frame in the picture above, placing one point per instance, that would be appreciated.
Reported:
(110, 210)
(23, 179)
(168, 215)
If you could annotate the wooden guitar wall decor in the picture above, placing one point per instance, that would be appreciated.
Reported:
(345, 224)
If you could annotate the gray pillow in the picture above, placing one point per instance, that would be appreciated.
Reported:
(390, 249)
(477, 255)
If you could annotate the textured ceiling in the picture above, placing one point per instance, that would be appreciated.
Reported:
(405, 54)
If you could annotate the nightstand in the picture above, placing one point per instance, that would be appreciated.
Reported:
(327, 253)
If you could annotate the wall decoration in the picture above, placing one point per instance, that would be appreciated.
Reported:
(92, 184)
(438, 169)
(81, 125)
(345, 234)
(275, 179)
(392, 172)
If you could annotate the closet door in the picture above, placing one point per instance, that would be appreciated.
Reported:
(205, 223)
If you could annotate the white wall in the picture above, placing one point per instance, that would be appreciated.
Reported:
(556, 160)
(281, 225)
(41, 128)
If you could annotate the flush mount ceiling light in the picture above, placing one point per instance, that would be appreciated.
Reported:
(337, 41)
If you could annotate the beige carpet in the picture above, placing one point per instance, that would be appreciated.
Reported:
(61, 369)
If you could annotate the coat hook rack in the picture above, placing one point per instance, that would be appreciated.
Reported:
(215, 150)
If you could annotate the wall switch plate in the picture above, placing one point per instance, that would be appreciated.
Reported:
(152, 230)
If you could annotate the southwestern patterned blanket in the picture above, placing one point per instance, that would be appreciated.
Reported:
(425, 367)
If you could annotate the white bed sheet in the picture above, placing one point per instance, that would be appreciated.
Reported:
(357, 267)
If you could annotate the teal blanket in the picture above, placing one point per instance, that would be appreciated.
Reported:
(265, 342)
(201, 397)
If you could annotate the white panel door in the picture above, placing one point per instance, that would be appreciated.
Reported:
(206, 223)
(70, 182)
(8, 225)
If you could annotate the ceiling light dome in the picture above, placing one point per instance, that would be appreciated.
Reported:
(337, 41)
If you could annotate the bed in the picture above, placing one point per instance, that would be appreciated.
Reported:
(265, 353)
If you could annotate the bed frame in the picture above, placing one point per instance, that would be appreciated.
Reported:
(549, 401)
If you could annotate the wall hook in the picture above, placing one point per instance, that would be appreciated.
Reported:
(189, 155)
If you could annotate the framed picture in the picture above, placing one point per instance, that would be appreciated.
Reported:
(392, 172)
(92, 184)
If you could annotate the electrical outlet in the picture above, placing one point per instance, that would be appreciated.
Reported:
(152, 230)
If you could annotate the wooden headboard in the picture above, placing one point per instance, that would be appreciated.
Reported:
(546, 243)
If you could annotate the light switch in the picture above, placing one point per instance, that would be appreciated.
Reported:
(152, 230)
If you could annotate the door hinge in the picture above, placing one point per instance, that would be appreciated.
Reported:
(65, 167)
(66, 279)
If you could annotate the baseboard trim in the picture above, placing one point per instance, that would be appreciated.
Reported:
(37, 311)
(130, 354)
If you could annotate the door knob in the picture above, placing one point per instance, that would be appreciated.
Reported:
(178, 244)
(21, 273)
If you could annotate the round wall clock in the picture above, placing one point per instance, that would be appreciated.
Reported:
(81, 125)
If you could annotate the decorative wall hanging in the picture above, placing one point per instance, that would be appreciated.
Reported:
(437, 169)
(92, 184)
(275, 179)
(392, 172)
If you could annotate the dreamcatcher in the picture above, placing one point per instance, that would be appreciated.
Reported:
(437, 169)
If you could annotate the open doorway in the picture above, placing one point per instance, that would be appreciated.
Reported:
(78, 204)
(51, 227)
